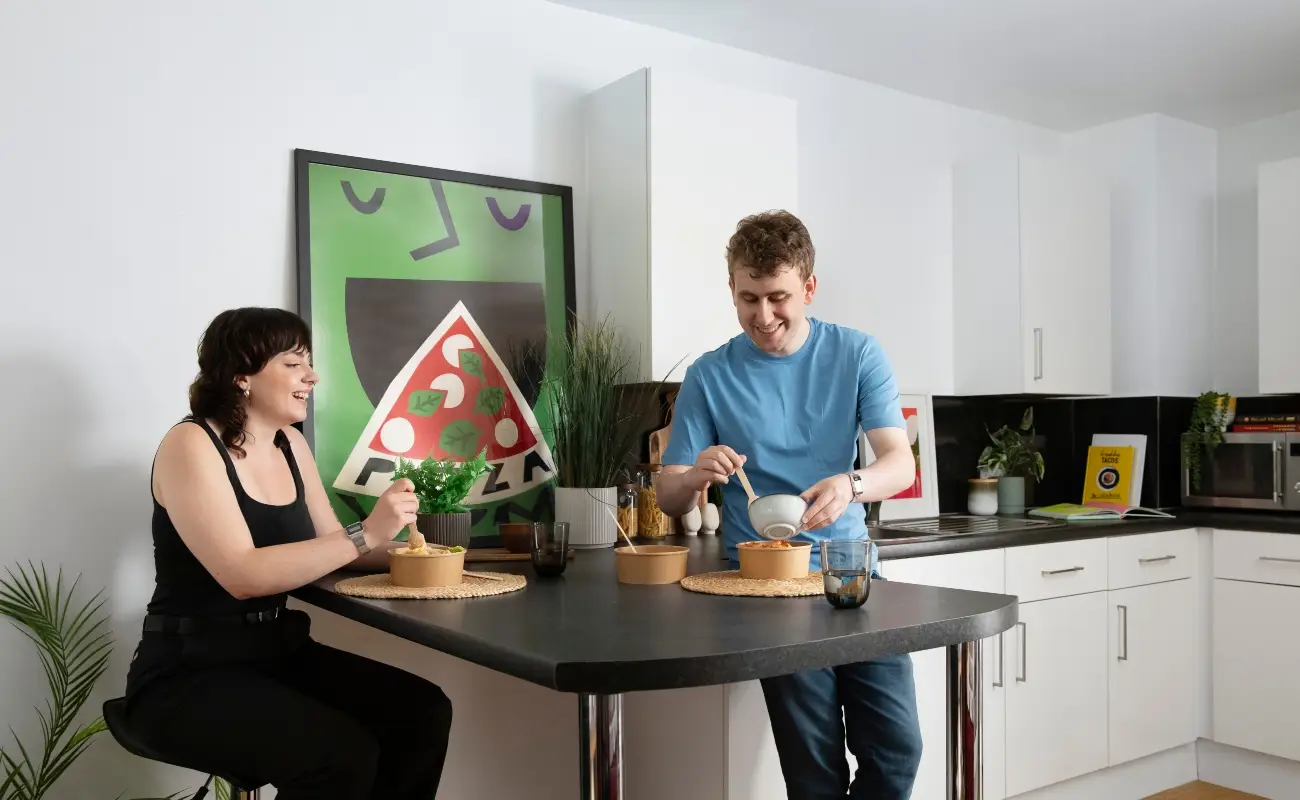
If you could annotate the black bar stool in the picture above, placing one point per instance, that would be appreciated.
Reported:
(115, 720)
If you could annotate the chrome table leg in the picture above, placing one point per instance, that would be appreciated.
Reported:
(965, 722)
(600, 740)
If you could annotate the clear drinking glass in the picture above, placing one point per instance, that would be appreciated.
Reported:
(550, 551)
(846, 571)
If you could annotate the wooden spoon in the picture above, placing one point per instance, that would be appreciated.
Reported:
(620, 529)
(749, 490)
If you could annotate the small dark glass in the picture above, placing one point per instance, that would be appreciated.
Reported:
(550, 549)
(846, 571)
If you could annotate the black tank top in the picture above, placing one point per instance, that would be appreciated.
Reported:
(183, 586)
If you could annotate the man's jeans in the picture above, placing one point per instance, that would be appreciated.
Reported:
(870, 706)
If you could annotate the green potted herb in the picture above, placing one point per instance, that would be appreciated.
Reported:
(1011, 459)
(1211, 414)
(442, 486)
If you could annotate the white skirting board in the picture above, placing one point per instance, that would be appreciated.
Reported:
(1221, 765)
(1246, 771)
(1132, 781)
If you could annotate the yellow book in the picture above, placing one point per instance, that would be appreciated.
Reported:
(1109, 475)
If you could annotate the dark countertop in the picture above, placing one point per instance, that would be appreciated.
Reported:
(893, 544)
(585, 632)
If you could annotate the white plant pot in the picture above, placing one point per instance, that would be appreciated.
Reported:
(588, 513)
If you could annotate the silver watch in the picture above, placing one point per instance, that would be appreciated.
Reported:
(855, 481)
(357, 533)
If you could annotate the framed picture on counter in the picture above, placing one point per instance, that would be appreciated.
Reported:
(921, 499)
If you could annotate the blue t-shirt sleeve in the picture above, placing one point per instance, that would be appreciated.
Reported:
(879, 405)
(693, 428)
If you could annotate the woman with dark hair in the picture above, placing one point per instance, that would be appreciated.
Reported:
(225, 677)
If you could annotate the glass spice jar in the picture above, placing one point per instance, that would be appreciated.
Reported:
(651, 522)
(627, 493)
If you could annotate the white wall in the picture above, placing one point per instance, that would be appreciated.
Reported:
(1241, 150)
(1162, 174)
(146, 154)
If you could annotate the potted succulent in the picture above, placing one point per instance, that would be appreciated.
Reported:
(1011, 459)
(592, 418)
(442, 486)
(1211, 415)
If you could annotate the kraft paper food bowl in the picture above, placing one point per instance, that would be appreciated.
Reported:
(418, 571)
(772, 562)
(777, 516)
(651, 563)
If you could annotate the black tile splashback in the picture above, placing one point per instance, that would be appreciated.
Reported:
(1064, 430)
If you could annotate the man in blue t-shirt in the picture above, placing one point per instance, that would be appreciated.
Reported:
(786, 399)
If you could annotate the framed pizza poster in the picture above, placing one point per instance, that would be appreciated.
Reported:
(424, 287)
(921, 499)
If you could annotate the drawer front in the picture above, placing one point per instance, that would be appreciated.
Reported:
(1259, 557)
(1040, 571)
(1151, 558)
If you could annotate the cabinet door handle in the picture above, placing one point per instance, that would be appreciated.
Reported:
(1123, 632)
(1277, 473)
(1281, 559)
(1038, 354)
(1154, 560)
(998, 682)
(1062, 571)
(1024, 650)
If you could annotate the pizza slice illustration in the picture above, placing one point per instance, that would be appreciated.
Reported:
(452, 399)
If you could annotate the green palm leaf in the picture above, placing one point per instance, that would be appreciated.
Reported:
(73, 647)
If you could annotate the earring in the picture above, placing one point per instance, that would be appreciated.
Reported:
(245, 392)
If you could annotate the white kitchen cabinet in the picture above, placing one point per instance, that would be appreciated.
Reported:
(1256, 666)
(981, 571)
(1056, 684)
(673, 163)
(1279, 276)
(1152, 666)
(1031, 278)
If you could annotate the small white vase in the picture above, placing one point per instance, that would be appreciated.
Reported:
(588, 513)
(709, 519)
(691, 521)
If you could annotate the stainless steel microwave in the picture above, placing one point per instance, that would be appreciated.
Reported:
(1248, 470)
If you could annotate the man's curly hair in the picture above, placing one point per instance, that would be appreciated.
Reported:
(767, 243)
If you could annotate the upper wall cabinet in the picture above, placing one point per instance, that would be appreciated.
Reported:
(673, 163)
(1031, 278)
(1279, 277)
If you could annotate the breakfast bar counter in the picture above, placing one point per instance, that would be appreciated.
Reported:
(585, 633)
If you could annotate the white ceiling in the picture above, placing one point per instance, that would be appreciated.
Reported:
(1062, 64)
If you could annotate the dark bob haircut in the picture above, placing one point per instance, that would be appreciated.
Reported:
(237, 343)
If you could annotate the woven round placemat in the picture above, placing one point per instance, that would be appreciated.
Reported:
(730, 583)
(380, 587)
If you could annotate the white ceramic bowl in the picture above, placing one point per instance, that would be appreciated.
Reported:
(777, 516)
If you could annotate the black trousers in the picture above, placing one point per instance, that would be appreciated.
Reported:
(270, 703)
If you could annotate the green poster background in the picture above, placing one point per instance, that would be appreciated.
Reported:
(383, 250)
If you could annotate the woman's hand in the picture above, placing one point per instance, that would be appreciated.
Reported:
(395, 509)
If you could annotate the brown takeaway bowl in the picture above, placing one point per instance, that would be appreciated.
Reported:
(421, 571)
(651, 563)
(516, 537)
(774, 564)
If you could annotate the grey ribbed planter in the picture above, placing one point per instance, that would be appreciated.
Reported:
(446, 529)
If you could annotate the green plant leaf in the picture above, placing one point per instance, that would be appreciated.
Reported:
(460, 438)
(472, 363)
(490, 400)
(73, 649)
(424, 403)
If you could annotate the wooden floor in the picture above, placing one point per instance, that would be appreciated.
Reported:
(1199, 790)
